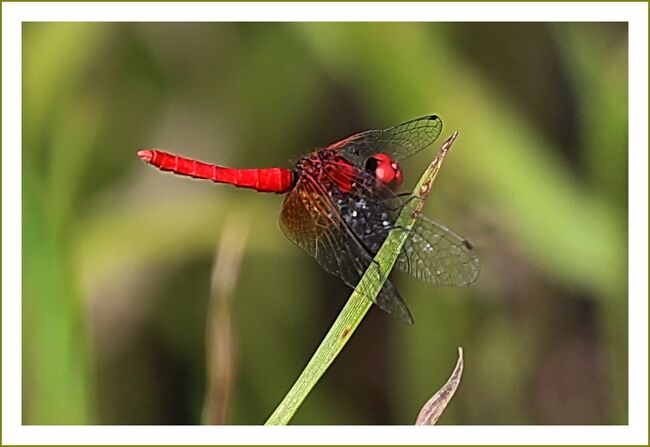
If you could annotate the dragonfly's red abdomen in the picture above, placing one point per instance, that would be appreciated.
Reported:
(266, 180)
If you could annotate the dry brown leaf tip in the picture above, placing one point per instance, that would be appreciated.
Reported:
(433, 409)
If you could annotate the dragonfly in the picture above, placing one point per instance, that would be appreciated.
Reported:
(342, 201)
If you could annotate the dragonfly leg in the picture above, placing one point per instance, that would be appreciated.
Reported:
(399, 208)
(412, 197)
(384, 203)
(382, 277)
(399, 227)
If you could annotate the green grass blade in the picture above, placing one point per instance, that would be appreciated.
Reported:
(359, 302)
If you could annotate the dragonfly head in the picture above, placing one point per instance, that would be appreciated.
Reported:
(385, 169)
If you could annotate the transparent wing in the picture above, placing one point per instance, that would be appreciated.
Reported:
(398, 142)
(437, 255)
(431, 253)
(310, 220)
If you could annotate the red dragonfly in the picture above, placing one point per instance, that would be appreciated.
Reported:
(341, 204)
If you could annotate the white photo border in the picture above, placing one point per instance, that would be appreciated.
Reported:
(14, 14)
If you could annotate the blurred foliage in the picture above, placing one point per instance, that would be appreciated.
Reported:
(117, 256)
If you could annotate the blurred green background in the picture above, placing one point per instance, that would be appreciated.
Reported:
(118, 257)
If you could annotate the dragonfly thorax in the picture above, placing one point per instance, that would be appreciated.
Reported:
(311, 164)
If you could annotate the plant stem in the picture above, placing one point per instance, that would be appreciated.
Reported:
(360, 300)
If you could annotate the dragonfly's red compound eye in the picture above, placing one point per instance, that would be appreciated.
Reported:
(385, 170)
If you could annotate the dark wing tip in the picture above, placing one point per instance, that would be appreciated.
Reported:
(434, 121)
(434, 117)
(431, 117)
(474, 262)
(468, 245)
